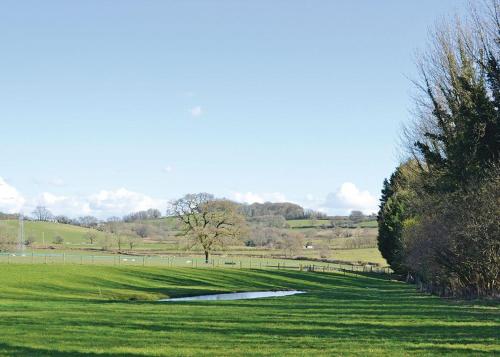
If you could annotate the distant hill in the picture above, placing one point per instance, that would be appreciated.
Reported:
(286, 209)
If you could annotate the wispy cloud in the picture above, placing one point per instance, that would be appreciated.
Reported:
(54, 181)
(196, 111)
(251, 197)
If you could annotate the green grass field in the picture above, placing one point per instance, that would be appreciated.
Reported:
(362, 254)
(55, 310)
(307, 223)
(300, 223)
(368, 224)
(47, 231)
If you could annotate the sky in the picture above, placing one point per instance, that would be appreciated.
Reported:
(108, 107)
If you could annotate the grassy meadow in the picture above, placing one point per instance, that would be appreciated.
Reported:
(71, 310)
(46, 232)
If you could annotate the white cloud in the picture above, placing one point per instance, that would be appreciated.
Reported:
(11, 200)
(118, 202)
(348, 198)
(250, 197)
(56, 181)
(168, 169)
(102, 204)
(64, 205)
(196, 111)
(122, 201)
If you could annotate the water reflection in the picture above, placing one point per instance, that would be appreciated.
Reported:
(238, 296)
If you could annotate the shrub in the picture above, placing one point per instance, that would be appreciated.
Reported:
(58, 240)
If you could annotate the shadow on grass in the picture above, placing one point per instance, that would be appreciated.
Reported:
(338, 311)
(10, 350)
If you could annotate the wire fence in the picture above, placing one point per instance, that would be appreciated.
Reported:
(187, 262)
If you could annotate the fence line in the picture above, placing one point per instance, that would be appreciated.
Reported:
(193, 262)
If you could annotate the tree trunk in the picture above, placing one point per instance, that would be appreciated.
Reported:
(206, 256)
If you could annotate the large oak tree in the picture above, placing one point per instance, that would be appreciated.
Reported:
(209, 223)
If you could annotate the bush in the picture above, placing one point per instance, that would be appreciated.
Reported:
(29, 241)
(58, 240)
(453, 247)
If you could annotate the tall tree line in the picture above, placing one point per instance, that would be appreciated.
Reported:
(439, 218)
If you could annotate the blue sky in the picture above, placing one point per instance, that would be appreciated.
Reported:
(110, 106)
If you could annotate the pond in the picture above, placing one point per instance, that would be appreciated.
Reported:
(237, 296)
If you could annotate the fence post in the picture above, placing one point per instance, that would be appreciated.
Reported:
(278, 265)
(64, 258)
(45, 258)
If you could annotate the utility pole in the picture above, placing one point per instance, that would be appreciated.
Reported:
(21, 233)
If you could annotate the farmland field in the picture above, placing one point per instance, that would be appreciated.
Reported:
(72, 310)
(163, 241)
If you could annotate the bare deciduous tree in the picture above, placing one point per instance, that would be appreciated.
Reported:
(142, 230)
(208, 222)
(132, 241)
(41, 213)
(324, 250)
(91, 236)
(88, 221)
(292, 243)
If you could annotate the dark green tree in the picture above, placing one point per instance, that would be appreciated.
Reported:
(460, 140)
(395, 209)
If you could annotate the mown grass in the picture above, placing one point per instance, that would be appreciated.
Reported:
(53, 310)
(360, 254)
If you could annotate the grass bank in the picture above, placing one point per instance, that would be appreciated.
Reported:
(55, 310)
